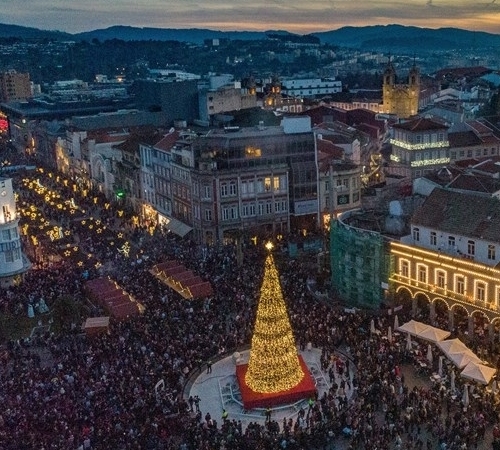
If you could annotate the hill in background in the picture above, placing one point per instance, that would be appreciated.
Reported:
(395, 38)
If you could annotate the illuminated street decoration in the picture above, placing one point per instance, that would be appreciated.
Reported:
(125, 249)
(430, 162)
(273, 365)
(429, 145)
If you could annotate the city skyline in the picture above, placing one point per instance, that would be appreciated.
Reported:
(292, 15)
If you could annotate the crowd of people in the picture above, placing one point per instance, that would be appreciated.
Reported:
(69, 391)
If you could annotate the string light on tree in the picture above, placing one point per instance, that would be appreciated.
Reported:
(274, 364)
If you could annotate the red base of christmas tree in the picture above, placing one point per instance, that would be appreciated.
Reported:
(251, 399)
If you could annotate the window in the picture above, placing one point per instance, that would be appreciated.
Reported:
(208, 215)
(460, 285)
(416, 234)
(269, 208)
(422, 274)
(440, 279)
(481, 291)
(206, 192)
(230, 213)
(433, 238)
(498, 296)
(6, 235)
(6, 213)
(404, 268)
(471, 248)
(232, 188)
(9, 256)
(224, 192)
(491, 252)
(451, 241)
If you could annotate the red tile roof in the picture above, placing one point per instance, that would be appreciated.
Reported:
(420, 124)
(168, 141)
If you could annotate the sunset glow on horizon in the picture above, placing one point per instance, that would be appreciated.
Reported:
(295, 16)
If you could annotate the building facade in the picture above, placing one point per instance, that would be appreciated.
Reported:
(14, 86)
(448, 267)
(310, 87)
(13, 263)
(418, 146)
(359, 261)
(260, 181)
(400, 99)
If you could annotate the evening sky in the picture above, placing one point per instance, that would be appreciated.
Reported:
(296, 16)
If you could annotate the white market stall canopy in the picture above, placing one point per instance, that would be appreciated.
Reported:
(452, 346)
(413, 327)
(462, 359)
(433, 334)
(458, 353)
(478, 372)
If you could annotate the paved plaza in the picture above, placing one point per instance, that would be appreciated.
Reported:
(219, 390)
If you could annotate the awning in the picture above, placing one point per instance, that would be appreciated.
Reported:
(175, 226)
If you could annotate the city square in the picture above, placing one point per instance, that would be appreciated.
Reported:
(133, 382)
(218, 240)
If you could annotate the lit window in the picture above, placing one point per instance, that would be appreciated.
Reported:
(491, 252)
(405, 269)
(422, 274)
(253, 152)
(440, 279)
(480, 291)
(460, 285)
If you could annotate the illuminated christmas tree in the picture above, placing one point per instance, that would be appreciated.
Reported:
(274, 363)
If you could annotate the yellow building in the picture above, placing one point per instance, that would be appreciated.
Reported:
(400, 99)
(448, 268)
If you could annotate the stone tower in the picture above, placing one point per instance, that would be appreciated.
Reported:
(400, 99)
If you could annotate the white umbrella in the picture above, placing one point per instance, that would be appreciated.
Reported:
(433, 334)
(465, 396)
(372, 327)
(440, 367)
(413, 327)
(389, 334)
(452, 381)
(396, 322)
(478, 372)
(429, 354)
(408, 342)
(452, 346)
(462, 359)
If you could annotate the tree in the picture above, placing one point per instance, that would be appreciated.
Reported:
(274, 364)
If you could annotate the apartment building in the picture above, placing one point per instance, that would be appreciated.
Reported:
(449, 263)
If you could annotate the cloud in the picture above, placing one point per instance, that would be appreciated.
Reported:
(292, 15)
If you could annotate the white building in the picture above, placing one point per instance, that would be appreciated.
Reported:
(12, 261)
(310, 87)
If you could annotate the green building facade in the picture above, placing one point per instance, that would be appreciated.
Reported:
(360, 264)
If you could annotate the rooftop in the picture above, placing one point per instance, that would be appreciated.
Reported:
(458, 213)
(421, 124)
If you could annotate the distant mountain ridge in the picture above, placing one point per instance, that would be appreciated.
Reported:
(377, 37)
